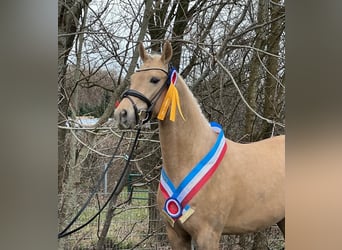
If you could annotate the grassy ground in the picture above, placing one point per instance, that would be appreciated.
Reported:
(130, 226)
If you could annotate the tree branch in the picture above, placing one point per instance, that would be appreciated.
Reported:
(239, 91)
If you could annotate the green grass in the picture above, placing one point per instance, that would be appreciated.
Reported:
(133, 220)
(127, 216)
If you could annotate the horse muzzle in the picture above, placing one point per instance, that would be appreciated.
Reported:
(128, 114)
(125, 118)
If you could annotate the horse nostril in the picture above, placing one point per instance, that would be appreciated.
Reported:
(123, 113)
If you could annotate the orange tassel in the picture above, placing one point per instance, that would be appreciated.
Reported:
(171, 98)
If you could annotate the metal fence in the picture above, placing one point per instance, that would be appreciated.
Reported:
(131, 229)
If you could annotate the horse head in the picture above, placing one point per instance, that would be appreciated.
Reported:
(148, 85)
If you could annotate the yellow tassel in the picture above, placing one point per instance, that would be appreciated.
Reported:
(173, 102)
(178, 104)
(171, 98)
(165, 105)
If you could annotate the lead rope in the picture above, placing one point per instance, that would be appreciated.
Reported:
(119, 183)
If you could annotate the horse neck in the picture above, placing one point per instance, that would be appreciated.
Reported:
(184, 143)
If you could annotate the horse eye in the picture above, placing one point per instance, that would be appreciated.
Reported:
(154, 80)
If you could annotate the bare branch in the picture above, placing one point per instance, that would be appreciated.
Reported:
(239, 91)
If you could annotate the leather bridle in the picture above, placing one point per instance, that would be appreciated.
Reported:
(150, 103)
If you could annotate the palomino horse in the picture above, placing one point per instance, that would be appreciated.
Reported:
(239, 189)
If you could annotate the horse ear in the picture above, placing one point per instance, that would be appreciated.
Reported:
(142, 52)
(167, 52)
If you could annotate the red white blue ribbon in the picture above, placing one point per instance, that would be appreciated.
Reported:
(177, 199)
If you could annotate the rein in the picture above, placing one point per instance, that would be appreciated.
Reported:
(117, 188)
(150, 103)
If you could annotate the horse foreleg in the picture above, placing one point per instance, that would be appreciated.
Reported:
(207, 240)
(178, 239)
(281, 225)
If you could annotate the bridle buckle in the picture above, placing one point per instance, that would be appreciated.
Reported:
(144, 115)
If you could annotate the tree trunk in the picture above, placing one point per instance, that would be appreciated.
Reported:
(181, 21)
(255, 72)
(155, 224)
(69, 14)
(272, 65)
(110, 211)
(111, 208)
(74, 177)
(158, 23)
(252, 91)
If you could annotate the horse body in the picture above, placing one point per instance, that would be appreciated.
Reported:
(245, 194)
(258, 173)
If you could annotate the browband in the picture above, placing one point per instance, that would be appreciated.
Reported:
(148, 69)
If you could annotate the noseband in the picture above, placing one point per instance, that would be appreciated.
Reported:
(150, 103)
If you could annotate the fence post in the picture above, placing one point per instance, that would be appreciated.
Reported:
(105, 179)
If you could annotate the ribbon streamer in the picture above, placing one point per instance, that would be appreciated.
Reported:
(171, 98)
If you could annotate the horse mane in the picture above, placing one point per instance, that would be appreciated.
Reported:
(191, 95)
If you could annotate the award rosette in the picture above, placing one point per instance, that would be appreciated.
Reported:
(173, 208)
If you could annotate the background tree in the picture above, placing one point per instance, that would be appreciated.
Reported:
(69, 15)
(231, 54)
